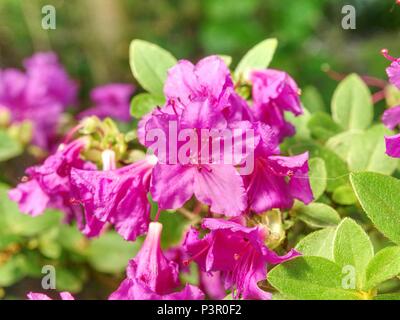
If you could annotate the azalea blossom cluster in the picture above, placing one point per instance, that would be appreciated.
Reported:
(228, 246)
(391, 117)
(41, 94)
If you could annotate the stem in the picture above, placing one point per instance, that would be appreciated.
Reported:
(187, 214)
(378, 96)
(370, 81)
(157, 215)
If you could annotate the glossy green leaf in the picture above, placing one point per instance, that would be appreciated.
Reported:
(317, 215)
(352, 104)
(379, 196)
(318, 175)
(318, 243)
(384, 266)
(310, 278)
(367, 152)
(352, 247)
(344, 195)
(149, 65)
(144, 103)
(259, 57)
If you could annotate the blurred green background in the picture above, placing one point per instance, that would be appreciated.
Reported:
(93, 36)
(92, 39)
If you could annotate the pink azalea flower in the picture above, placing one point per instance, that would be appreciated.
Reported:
(393, 146)
(275, 92)
(238, 252)
(276, 180)
(40, 95)
(391, 117)
(212, 285)
(199, 97)
(49, 186)
(40, 296)
(116, 196)
(49, 79)
(393, 71)
(151, 276)
(112, 100)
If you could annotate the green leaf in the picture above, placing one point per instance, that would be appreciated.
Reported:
(352, 104)
(310, 278)
(318, 243)
(312, 100)
(388, 296)
(384, 266)
(342, 142)
(48, 244)
(318, 175)
(71, 239)
(144, 103)
(227, 59)
(9, 147)
(300, 123)
(317, 215)
(68, 279)
(149, 65)
(379, 196)
(259, 57)
(344, 195)
(12, 270)
(110, 253)
(367, 152)
(352, 247)
(174, 227)
(322, 127)
(336, 168)
(12, 221)
(392, 95)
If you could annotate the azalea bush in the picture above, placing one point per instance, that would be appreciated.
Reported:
(217, 182)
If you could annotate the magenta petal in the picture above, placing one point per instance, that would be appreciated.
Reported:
(172, 185)
(111, 100)
(393, 146)
(30, 197)
(181, 81)
(213, 74)
(221, 187)
(296, 168)
(189, 292)
(66, 296)
(393, 72)
(391, 117)
(117, 196)
(212, 285)
(38, 296)
(151, 267)
(266, 190)
(202, 115)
